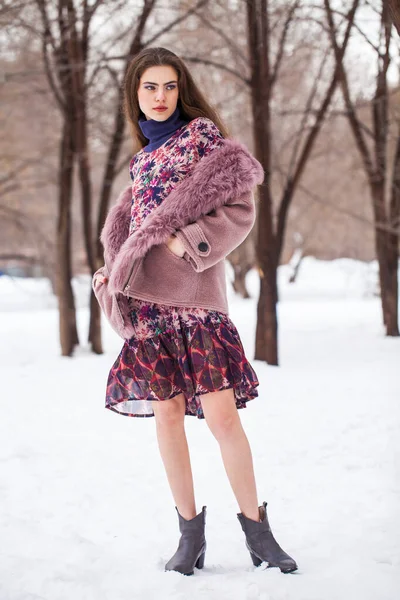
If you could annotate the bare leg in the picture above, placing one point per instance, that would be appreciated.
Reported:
(224, 422)
(172, 442)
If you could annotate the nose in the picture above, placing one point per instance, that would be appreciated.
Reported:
(160, 95)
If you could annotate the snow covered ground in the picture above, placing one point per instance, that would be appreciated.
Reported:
(85, 509)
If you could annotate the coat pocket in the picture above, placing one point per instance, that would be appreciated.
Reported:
(163, 277)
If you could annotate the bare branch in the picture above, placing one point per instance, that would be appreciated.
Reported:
(309, 143)
(92, 9)
(395, 191)
(10, 187)
(228, 40)
(360, 31)
(168, 27)
(47, 38)
(123, 164)
(353, 119)
(282, 41)
(306, 113)
(217, 65)
(356, 27)
(380, 106)
(336, 208)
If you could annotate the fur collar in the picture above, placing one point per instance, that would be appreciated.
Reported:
(226, 173)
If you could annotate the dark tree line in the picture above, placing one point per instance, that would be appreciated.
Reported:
(65, 30)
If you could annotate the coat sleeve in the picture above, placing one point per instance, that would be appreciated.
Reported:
(213, 236)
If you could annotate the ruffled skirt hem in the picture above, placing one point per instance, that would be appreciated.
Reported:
(122, 407)
(194, 359)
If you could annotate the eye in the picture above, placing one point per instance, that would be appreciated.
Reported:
(171, 86)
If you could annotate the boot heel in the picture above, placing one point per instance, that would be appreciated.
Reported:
(256, 561)
(200, 561)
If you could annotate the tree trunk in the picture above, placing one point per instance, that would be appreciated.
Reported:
(94, 334)
(392, 294)
(393, 245)
(243, 260)
(394, 9)
(386, 245)
(67, 313)
(109, 175)
(271, 238)
(388, 265)
(77, 55)
(266, 345)
(240, 271)
(95, 325)
(267, 320)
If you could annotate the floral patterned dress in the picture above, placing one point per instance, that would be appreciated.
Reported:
(175, 350)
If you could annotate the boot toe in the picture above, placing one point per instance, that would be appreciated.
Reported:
(179, 568)
(287, 565)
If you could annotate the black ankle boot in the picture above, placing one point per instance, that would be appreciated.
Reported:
(262, 545)
(192, 545)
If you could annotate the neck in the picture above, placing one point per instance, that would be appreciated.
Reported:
(158, 132)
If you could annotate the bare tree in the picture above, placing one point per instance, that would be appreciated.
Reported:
(64, 56)
(66, 47)
(386, 206)
(270, 43)
(264, 74)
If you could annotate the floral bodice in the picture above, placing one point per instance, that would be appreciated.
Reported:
(155, 174)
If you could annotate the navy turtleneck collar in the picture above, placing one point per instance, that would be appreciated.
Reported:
(158, 132)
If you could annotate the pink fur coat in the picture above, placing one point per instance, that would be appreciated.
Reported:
(211, 212)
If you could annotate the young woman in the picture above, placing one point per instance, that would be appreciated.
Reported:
(163, 289)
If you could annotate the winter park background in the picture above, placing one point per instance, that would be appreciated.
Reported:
(85, 508)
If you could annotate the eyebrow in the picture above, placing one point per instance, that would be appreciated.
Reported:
(152, 83)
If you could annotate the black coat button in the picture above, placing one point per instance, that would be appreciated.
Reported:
(203, 247)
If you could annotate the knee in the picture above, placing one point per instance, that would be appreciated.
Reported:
(169, 413)
(224, 426)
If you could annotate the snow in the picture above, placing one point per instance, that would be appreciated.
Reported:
(85, 508)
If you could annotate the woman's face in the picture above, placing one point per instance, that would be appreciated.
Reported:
(158, 88)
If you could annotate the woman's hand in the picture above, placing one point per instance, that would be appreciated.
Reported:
(100, 277)
(176, 246)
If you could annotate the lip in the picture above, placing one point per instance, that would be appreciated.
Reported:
(160, 108)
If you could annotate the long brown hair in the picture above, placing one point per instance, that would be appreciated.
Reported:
(191, 101)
